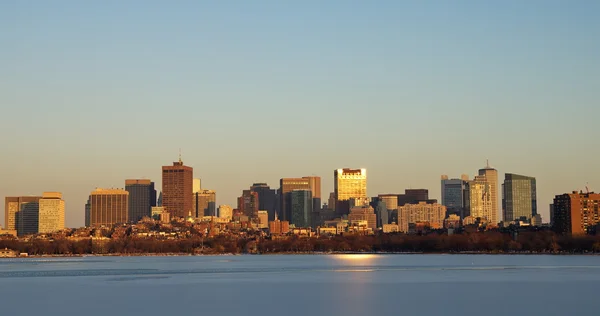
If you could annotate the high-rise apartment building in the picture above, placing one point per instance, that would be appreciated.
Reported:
(454, 195)
(301, 208)
(225, 211)
(576, 213)
(519, 198)
(51, 213)
(348, 184)
(480, 203)
(491, 175)
(286, 186)
(267, 198)
(177, 189)
(22, 214)
(142, 197)
(108, 207)
(423, 212)
(205, 203)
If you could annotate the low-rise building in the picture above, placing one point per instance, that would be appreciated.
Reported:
(390, 228)
(8, 253)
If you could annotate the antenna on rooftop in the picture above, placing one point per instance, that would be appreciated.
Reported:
(179, 154)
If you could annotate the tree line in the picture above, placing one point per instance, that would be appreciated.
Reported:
(486, 242)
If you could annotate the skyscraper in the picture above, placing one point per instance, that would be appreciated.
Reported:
(51, 212)
(108, 207)
(314, 183)
(519, 198)
(22, 214)
(454, 193)
(205, 203)
(491, 175)
(576, 213)
(197, 186)
(177, 189)
(480, 199)
(267, 198)
(142, 197)
(414, 196)
(347, 184)
(301, 208)
(390, 200)
(248, 204)
(287, 185)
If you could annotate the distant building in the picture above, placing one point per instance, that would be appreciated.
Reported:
(156, 211)
(382, 211)
(366, 214)
(248, 204)
(278, 227)
(390, 200)
(197, 186)
(301, 208)
(108, 207)
(551, 210)
(205, 203)
(536, 220)
(390, 228)
(225, 211)
(286, 186)
(480, 199)
(314, 183)
(491, 175)
(177, 189)
(263, 219)
(51, 213)
(576, 213)
(142, 197)
(22, 214)
(452, 221)
(434, 214)
(519, 198)
(267, 198)
(348, 184)
(454, 194)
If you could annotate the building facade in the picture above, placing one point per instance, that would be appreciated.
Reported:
(267, 198)
(454, 194)
(491, 175)
(301, 208)
(248, 204)
(519, 198)
(21, 213)
(225, 211)
(480, 202)
(314, 183)
(576, 213)
(423, 212)
(363, 213)
(51, 213)
(348, 184)
(177, 189)
(108, 207)
(142, 197)
(286, 186)
(390, 200)
(205, 203)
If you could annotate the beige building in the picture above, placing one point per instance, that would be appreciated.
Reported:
(225, 211)
(263, 219)
(21, 213)
(108, 207)
(390, 200)
(350, 183)
(423, 212)
(196, 186)
(366, 214)
(481, 199)
(51, 213)
(390, 228)
(491, 175)
(205, 203)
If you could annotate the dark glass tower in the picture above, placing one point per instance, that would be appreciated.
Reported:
(142, 197)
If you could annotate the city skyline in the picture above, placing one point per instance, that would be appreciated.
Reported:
(424, 89)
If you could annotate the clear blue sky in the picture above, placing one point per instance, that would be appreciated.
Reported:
(93, 93)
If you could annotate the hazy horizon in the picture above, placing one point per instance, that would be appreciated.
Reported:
(96, 93)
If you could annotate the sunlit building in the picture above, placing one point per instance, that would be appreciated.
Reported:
(491, 175)
(108, 207)
(348, 184)
(177, 189)
(480, 202)
(434, 214)
(576, 213)
(51, 212)
(225, 211)
(454, 195)
(519, 198)
(248, 204)
(205, 203)
(363, 213)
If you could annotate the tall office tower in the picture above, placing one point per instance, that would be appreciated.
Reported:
(314, 183)
(480, 199)
(347, 184)
(287, 185)
(519, 198)
(390, 200)
(108, 207)
(248, 204)
(205, 203)
(225, 211)
(363, 213)
(576, 213)
(301, 208)
(142, 197)
(177, 189)
(197, 186)
(267, 198)
(423, 212)
(381, 209)
(331, 201)
(454, 193)
(52, 213)
(21, 213)
(159, 200)
(491, 175)
(88, 215)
